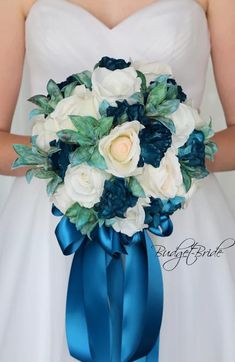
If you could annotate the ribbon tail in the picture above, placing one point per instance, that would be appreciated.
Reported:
(76, 326)
(96, 302)
(154, 301)
(115, 273)
(134, 299)
(143, 300)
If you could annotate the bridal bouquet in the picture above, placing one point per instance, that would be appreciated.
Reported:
(122, 149)
(120, 146)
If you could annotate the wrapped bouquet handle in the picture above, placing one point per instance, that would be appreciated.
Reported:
(123, 149)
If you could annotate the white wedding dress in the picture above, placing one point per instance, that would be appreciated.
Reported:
(199, 300)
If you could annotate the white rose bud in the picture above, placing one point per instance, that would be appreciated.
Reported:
(184, 121)
(85, 184)
(61, 199)
(163, 181)
(45, 129)
(189, 194)
(152, 70)
(134, 218)
(81, 103)
(114, 85)
(121, 149)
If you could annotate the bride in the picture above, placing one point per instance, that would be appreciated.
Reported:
(61, 37)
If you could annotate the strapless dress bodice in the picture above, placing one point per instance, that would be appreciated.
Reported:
(63, 38)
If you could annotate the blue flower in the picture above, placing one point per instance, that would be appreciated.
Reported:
(60, 160)
(115, 200)
(126, 112)
(155, 139)
(192, 153)
(68, 81)
(160, 208)
(180, 94)
(112, 63)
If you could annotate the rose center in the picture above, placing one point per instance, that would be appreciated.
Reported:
(120, 148)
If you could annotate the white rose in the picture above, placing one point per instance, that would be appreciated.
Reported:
(81, 103)
(199, 121)
(121, 149)
(189, 194)
(184, 121)
(163, 181)
(152, 69)
(114, 85)
(134, 218)
(61, 199)
(45, 129)
(84, 184)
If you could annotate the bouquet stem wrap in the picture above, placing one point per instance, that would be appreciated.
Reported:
(114, 298)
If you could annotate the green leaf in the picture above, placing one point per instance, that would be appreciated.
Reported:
(186, 179)
(29, 175)
(110, 222)
(101, 222)
(30, 160)
(72, 212)
(172, 91)
(35, 112)
(53, 184)
(167, 122)
(44, 174)
(80, 155)
(85, 219)
(68, 89)
(157, 94)
(208, 132)
(70, 136)
(103, 107)
(135, 187)
(22, 150)
(137, 97)
(97, 160)
(89, 227)
(167, 107)
(42, 102)
(54, 90)
(210, 149)
(143, 81)
(53, 150)
(195, 172)
(104, 126)
(86, 127)
(84, 78)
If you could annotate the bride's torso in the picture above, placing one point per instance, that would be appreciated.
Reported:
(63, 38)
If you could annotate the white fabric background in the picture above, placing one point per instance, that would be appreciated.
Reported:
(211, 106)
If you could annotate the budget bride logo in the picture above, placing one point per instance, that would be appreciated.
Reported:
(189, 251)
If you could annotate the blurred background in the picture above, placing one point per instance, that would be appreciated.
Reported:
(211, 106)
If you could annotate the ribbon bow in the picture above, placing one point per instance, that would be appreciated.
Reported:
(115, 293)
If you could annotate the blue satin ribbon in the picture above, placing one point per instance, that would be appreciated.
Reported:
(115, 293)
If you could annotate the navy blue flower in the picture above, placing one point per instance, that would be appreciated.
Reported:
(154, 142)
(192, 153)
(68, 81)
(112, 63)
(159, 208)
(60, 159)
(124, 111)
(115, 200)
(180, 94)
